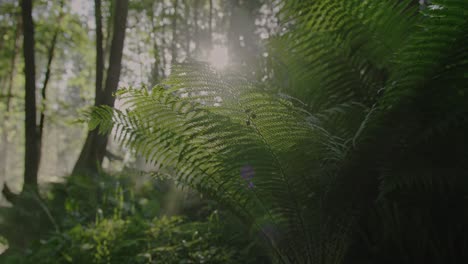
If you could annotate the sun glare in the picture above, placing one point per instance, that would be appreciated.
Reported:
(218, 57)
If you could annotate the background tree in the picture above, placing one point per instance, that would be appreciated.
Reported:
(32, 147)
(8, 94)
(31, 174)
(94, 149)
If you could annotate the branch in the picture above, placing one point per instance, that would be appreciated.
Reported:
(9, 195)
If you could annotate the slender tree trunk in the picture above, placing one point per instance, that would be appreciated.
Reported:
(187, 29)
(163, 46)
(31, 160)
(210, 25)
(95, 145)
(116, 52)
(16, 46)
(140, 62)
(107, 40)
(99, 52)
(11, 78)
(29, 199)
(233, 36)
(88, 159)
(195, 22)
(50, 57)
(174, 34)
(155, 67)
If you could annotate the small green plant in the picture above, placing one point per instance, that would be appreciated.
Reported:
(136, 240)
(107, 223)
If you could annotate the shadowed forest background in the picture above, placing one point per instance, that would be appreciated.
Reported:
(233, 131)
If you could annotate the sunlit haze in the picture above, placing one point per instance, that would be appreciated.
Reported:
(218, 57)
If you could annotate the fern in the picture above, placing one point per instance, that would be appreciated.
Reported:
(305, 169)
(237, 152)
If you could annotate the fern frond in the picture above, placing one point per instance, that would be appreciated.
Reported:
(245, 151)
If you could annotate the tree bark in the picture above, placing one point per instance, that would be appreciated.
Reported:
(94, 149)
(31, 159)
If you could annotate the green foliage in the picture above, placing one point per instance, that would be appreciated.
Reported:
(227, 139)
(115, 222)
(133, 240)
(376, 113)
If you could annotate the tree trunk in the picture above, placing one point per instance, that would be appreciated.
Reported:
(115, 60)
(99, 52)
(107, 40)
(163, 45)
(174, 34)
(187, 29)
(94, 149)
(31, 159)
(195, 22)
(11, 78)
(233, 34)
(210, 25)
(155, 70)
(50, 57)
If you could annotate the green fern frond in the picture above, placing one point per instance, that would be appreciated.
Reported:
(245, 149)
(342, 51)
